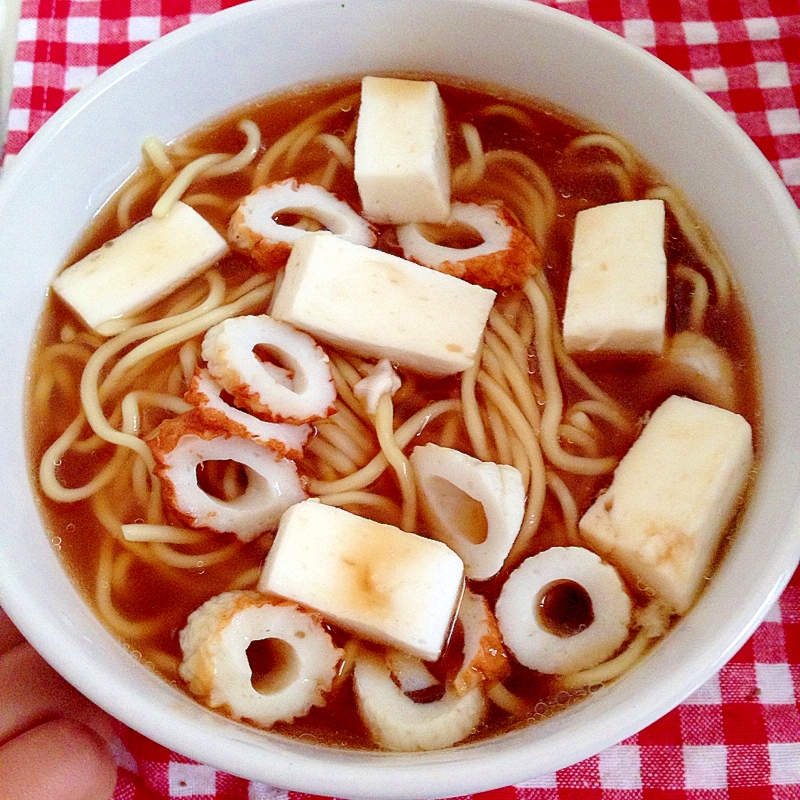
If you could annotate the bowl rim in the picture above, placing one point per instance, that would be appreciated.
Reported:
(299, 768)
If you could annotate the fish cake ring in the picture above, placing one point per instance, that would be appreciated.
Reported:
(216, 667)
(528, 636)
(506, 257)
(182, 445)
(293, 384)
(206, 395)
(255, 227)
(397, 722)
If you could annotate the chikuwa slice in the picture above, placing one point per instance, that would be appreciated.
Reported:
(473, 506)
(293, 382)
(529, 620)
(485, 658)
(397, 722)
(206, 395)
(707, 370)
(255, 227)
(215, 645)
(506, 257)
(183, 444)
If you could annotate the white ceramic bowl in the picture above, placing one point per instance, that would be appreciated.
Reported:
(82, 154)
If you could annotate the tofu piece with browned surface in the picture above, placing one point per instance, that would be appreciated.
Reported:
(617, 290)
(381, 306)
(371, 579)
(672, 497)
(401, 164)
(140, 266)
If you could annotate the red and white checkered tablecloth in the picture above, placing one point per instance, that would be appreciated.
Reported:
(736, 738)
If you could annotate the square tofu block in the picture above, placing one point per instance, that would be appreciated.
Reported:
(374, 580)
(382, 306)
(401, 163)
(672, 497)
(617, 291)
(140, 266)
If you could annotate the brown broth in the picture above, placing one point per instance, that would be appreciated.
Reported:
(640, 386)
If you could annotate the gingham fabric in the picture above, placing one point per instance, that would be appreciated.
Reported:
(736, 738)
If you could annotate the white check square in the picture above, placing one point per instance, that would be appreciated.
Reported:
(641, 32)
(144, 29)
(762, 28)
(620, 767)
(83, 30)
(700, 33)
(784, 759)
(775, 683)
(713, 79)
(705, 766)
(783, 121)
(790, 169)
(186, 780)
(772, 74)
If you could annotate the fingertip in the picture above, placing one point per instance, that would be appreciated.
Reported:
(60, 758)
(31, 691)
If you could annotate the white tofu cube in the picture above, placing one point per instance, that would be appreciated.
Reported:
(374, 580)
(617, 291)
(382, 306)
(672, 496)
(401, 163)
(140, 266)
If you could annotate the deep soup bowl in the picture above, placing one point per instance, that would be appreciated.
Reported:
(74, 163)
